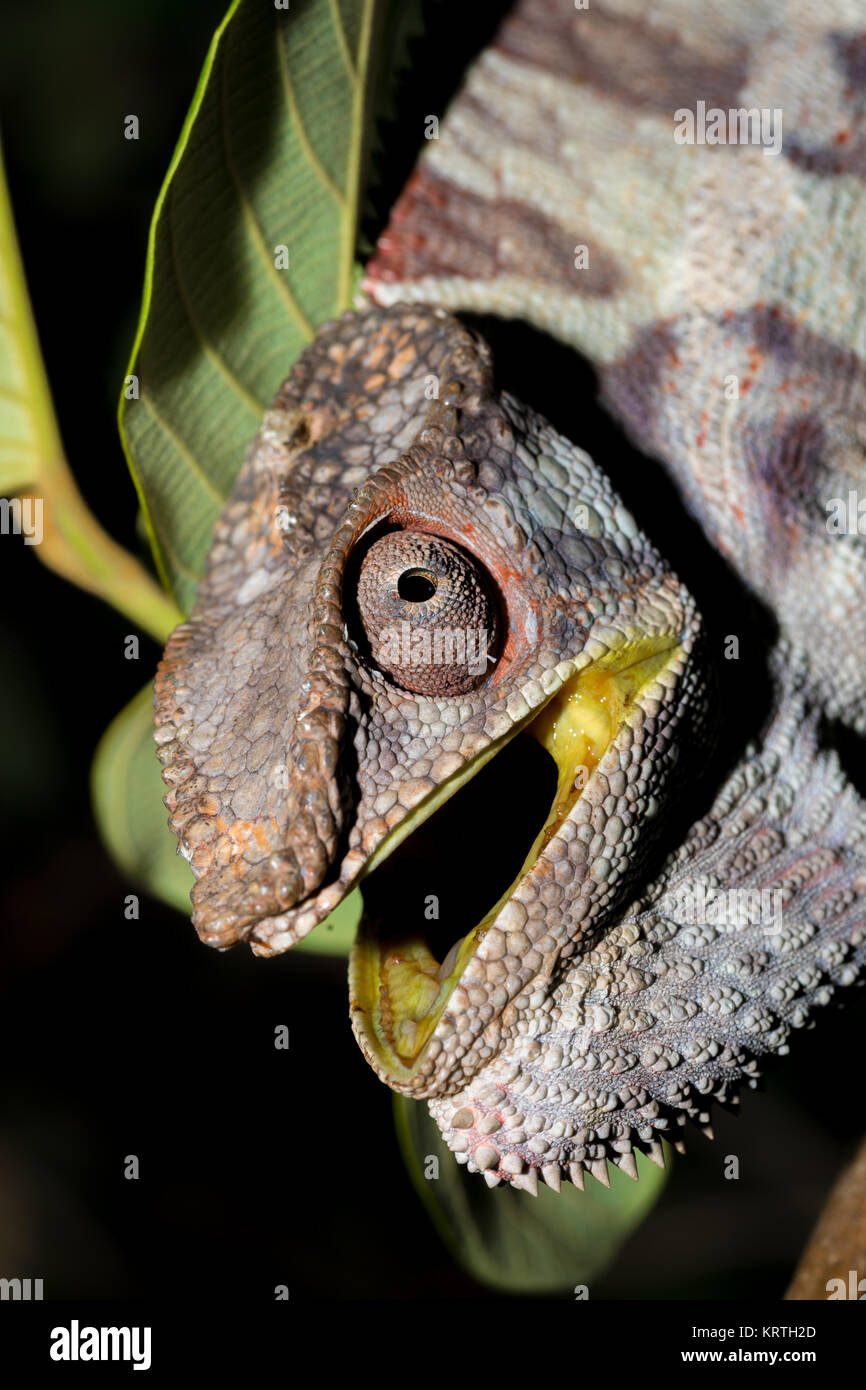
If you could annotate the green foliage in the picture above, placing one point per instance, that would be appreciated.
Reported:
(127, 793)
(28, 430)
(69, 538)
(252, 246)
(510, 1239)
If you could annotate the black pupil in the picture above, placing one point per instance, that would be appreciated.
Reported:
(415, 586)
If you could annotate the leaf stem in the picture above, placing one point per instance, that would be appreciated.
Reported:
(73, 543)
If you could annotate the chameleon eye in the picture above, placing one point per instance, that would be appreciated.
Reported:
(428, 613)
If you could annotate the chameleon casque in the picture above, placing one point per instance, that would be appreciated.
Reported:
(583, 1012)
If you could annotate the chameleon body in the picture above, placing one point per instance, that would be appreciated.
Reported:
(596, 1005)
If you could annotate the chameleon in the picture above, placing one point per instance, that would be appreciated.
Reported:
(678, 195)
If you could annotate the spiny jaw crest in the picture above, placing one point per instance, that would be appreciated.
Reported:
(399, 989)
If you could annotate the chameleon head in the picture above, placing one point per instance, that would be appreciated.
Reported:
(414, 576)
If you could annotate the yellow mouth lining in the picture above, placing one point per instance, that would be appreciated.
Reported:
(402, 989)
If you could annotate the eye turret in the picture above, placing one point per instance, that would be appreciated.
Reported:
(428, 613)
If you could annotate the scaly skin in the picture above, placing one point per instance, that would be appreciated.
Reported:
(571, 1027)
(713, 269)
(660, 1015)
(260, 713)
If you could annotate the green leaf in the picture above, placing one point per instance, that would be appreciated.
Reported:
(127, 792)
(28, 429)
(270, 157)
(510, 1239)
(69, 539)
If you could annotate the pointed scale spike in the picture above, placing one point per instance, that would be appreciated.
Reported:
(550, 1173)
(626, 1164)
(527, 1182)
(575, 1175)
(656, 1154)
(598, 1168)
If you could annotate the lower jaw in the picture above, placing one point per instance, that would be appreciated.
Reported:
(399, 989)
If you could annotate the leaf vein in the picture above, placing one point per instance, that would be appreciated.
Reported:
(186, 453)
(312, 158)
(252, 225)
(342, 41)
(254, 406)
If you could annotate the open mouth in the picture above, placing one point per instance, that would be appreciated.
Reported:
(428, 903)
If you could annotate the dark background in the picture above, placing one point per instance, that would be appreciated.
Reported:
(261, 1167)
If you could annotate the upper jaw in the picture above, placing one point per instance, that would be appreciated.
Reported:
(443, 745)
(434, 767)
(411, 753)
